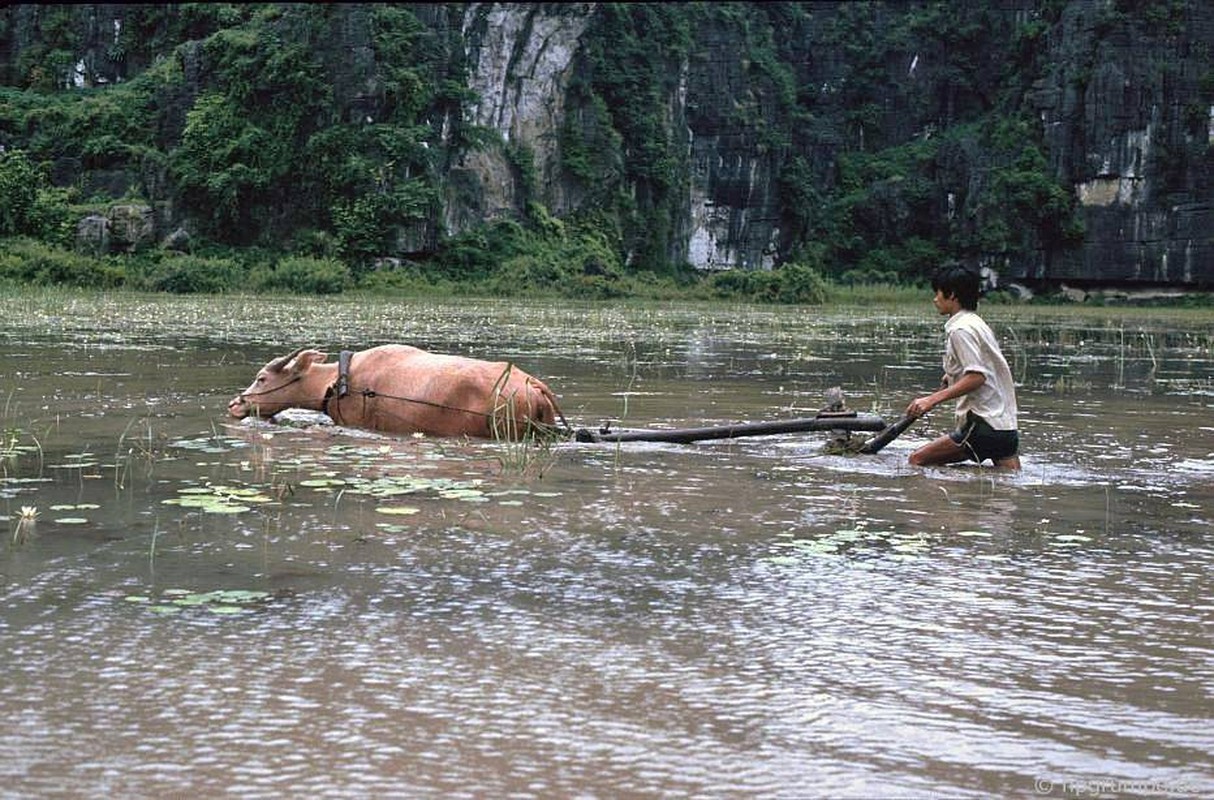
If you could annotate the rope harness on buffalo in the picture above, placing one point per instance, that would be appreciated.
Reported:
(342, 389)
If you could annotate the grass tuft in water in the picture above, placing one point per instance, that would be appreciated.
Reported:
(27, 522)
(530, 449)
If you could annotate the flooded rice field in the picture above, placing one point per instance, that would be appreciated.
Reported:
(189, 604)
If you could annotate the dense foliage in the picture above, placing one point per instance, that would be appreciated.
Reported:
(302, 162)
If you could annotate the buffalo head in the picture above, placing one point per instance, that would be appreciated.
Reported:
(281, 384)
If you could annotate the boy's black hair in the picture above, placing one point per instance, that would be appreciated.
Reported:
(956, 279)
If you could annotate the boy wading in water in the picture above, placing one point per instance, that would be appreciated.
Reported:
(976, 375)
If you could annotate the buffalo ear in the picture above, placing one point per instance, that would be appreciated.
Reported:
(303, 360)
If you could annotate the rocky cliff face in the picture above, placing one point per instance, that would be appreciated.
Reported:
(1125, 108)
(1126, 111)
(1121, 95)
(732, 214)
(519, 61)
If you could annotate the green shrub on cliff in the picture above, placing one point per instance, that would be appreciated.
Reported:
(18, 193)
(29, 206)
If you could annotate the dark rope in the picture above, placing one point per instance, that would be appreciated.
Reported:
(272, 389)
(371, 394)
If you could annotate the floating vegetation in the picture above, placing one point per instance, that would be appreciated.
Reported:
(468, 491)
(73, 520)
(211, 444)
(782, 561)
(219, 499)
(856, 543)
(322, 483)
(12, 445)
(11, 487)
(345, 470)
(398, 510)
(77, 461)
(220, 601)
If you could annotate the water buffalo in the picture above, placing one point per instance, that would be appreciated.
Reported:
(401, 389)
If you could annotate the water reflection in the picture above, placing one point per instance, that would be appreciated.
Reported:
(748, 618)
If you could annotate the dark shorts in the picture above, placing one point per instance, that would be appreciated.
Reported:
(981, 441)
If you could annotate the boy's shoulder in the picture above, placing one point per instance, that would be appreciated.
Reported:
(966, 317)
(967, 320)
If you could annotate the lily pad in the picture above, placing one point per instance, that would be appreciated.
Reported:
(218, 499)
(322, 483)
(224, 508)
(226, 609)
(782, 561)
(467, 495)
(220, 601)
(398, 510)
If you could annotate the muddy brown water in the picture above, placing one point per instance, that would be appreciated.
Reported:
(357, 616)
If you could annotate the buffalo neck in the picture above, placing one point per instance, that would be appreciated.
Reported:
(317, 384)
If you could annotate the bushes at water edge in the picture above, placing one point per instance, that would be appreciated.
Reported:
(579, 269)
(28, 261)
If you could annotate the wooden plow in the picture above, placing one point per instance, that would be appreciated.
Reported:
(835, 419)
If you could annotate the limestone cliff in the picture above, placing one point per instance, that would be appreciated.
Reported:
(1052, 141)
(1126, 111)
(1125, 105)
(519, 62)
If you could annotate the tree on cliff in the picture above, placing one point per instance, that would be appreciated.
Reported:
(864, 140)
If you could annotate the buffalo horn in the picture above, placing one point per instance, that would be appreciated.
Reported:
(278, 363)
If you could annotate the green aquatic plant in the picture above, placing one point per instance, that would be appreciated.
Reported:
(860, 543)
(10, 439)
(534, 452)
(219, 499)
(632, 369)
(219, 601)
(26, 523)
(529, 448)
(72, 520)
(13, 445)
(398, 510)
(133, 448)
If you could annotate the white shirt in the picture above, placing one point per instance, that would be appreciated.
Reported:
(970, 346)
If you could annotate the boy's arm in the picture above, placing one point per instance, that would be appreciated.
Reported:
(964, 385)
